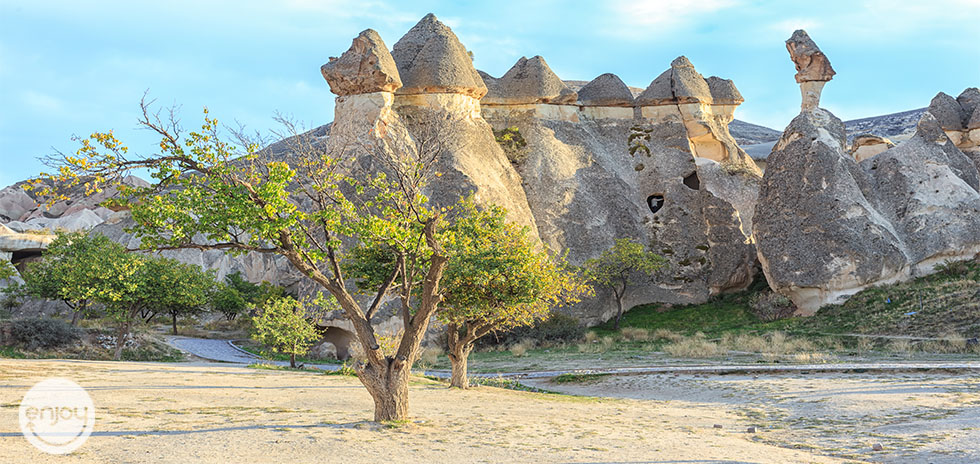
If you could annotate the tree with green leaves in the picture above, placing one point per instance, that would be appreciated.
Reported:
(182, 289)
(282, 325)
(621, 266)
(497, 279)
(208, 193)
(78, 269)
(228, 301)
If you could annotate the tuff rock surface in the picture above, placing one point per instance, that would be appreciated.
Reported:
(431, 59)
(529, 81)
(813, 69)
(960, 119)
(866, 146)
(827, 227)
(366, 67)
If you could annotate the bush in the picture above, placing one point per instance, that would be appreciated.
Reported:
(771, 306)
(556, 328)
(37, 333)
(513, 144)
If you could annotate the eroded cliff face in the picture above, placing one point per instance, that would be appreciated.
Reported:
(827, 227)
(605, 168)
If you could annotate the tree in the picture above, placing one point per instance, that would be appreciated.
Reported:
(228, 301)
(180, 289)
(618, 267)
(496, 279)
(209, 193)
(78, 269)
(282, 325)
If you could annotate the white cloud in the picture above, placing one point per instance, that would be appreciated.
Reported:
(642, 18)
(42, 102)
(786, 27)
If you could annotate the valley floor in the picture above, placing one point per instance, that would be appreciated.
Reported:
(204, 412)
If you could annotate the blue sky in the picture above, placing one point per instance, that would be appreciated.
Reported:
(73, 67)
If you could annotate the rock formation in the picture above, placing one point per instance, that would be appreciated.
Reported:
(813, 69)
(681, 94)
(598, 165)
(865, 146)
(529, 81)
(827, 227)
(365, 68)
(431, 59)
(960, 119)
(602, 170)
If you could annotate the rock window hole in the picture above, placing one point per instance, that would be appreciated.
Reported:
(655, 202)
(692, 181)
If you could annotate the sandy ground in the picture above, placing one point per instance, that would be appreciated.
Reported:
(213, 413)
(917, 418)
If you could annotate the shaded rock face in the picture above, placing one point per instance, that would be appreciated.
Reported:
(366, 67)
(529, 81)
(959, 118)
(827, 227)
(819, 238)
(431, 59)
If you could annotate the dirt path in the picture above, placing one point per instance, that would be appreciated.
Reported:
(225, 413)
(916, 417)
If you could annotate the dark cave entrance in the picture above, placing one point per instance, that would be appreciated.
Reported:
(20, 258)
(340, 338)
(692, 181)
(655, 202)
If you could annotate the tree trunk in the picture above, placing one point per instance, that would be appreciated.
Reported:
(174, 315)
(619, 311)
(292, 360)
(121, 340)
(458, 357)
(388, 386)
(74, 318)
(459, 352)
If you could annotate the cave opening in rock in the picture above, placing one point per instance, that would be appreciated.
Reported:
(20, 258)
(655, 202)
(692, 181)
(340, 338)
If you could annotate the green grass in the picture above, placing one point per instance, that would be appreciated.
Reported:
(344, 369)
(571, 377)
(11, 352)
(947, 302)
(267, 353)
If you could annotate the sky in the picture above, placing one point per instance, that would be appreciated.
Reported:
(74, 67)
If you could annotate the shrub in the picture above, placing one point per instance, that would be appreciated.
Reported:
(520, 349)
(771, 306)
(558, 327)
(513, 144)
(36, 333)
(696, 346)
(635, 334)
(667, 334)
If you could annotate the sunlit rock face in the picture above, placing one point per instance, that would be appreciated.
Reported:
(866, 146)
(827, 226)
(704, 106)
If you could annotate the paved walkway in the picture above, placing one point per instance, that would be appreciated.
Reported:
(226, 351)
